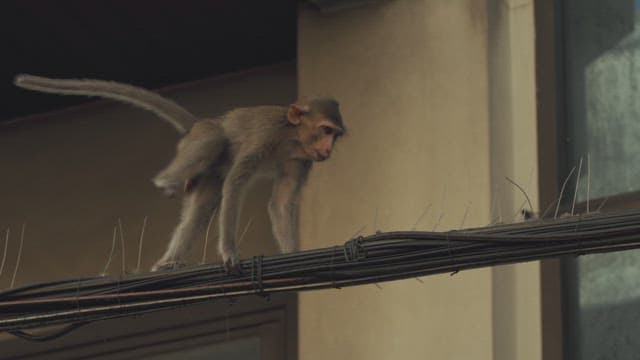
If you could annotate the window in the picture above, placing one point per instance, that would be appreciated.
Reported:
(599, 118)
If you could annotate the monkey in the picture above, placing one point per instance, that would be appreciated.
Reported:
(217, 158)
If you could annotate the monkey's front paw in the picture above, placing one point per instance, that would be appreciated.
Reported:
(230, 262)
(168, 265)
(232, 267)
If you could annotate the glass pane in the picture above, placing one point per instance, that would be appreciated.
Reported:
(602, 83)
(608, 311)
(603, 92)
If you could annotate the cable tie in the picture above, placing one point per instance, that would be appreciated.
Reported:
(213, 283)
(354, 250)
(256, 275)
(455, 271)
(260, 285)
(253, 282)
(332, 268)
(78, 296)
(118, 293)
(580, 251)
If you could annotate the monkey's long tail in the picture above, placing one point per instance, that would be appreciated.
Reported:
(168, 110)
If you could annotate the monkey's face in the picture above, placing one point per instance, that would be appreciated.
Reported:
(317, 133)
(318, 136)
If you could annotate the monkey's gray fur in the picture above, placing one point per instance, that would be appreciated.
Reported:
(217, 158)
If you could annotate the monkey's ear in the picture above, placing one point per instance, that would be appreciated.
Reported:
(294, 115)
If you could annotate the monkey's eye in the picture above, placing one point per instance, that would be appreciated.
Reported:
(327, 130)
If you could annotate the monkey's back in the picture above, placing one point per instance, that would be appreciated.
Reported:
(253, 128)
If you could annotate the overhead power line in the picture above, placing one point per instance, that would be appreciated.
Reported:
(363, 260)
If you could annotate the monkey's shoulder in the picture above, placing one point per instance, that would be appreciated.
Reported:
(254, 125)
(255, 116)
(260, 110)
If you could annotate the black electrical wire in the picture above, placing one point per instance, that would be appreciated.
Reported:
(363, 260)
(51, 336)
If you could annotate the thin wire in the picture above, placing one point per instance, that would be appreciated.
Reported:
(522, 191)
(122, 247)
(358, 232)
(464, 217)
(206, 236)
(555, 214)
(424, 212)
(499, 212)
(375, 220)
(435, 226)
(244, 231)
(442, 206)
(33, 337)
(15, 270)
(494, 199)
(575, 193)
(6, 248)
(113, 247)
(519, 210)
(144, 225)
(602, 204)
(544, 213)
(588, 179)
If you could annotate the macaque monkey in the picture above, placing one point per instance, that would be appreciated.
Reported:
(217, 158)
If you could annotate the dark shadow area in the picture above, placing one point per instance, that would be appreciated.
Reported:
(146, 43)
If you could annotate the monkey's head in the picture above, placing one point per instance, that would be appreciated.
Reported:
(319, 125)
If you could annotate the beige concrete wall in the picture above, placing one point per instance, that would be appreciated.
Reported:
(514, 153)
(71, 174)
(412, 78)
(420, 83)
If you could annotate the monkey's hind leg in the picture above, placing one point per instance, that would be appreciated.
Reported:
(198, 207)
(197, 151)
